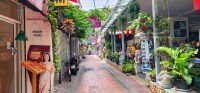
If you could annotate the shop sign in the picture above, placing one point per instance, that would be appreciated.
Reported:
(37, 33)
(60, 2)
(196, 4)
(35, 54)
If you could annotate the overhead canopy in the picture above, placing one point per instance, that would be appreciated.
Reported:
(176, 8)
(120, 7)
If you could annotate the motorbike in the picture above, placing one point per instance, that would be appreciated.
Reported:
(74, 65)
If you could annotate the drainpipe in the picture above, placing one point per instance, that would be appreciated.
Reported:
(156, 42)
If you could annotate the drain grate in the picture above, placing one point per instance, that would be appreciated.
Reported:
(93, 89)
(87, 69)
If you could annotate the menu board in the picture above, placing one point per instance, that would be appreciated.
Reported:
(145, 56)
(34, 67)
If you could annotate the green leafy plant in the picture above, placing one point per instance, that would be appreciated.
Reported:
(181, 64)
(133, 9)
(116, 56)
(163, 25)
(128, 66)
(143, 23)
(152, 73)
(54, 25)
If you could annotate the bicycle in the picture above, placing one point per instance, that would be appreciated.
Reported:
(67, 73)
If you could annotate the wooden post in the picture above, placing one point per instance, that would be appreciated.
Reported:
(33, 83)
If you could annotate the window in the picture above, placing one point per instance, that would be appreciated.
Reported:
(180, 29)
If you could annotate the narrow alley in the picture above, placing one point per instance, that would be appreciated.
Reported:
(95, 76)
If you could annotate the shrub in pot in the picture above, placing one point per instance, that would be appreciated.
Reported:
(128, 67)
(180, 66)
(152, 75)
(116, 57)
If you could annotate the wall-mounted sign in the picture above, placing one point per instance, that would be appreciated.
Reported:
(196, 5)
(37, 33)
(60, 2)
(36, 52)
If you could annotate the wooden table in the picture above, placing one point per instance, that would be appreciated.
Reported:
(35, 68)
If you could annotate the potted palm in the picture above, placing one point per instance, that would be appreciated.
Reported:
(180, 66)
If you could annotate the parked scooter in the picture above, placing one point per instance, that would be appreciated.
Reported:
(74, 65)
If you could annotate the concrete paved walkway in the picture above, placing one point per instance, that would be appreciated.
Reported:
(95, 76)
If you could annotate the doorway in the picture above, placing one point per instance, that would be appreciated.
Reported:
(7, 59)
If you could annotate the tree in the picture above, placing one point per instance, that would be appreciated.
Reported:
(80, 18)
(102, 14)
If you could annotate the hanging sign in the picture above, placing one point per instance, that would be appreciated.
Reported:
(196, 4)
(60, 2)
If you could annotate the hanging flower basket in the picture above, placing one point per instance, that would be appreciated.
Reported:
(133, 30)
(127, 33)
(68, 25)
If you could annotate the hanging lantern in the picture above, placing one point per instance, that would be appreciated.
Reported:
(196, 5)
(133, 30)
(143, 28)
(130, 32)
(127, 33)
(120, 36)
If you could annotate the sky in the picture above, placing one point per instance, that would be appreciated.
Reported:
(89, 4)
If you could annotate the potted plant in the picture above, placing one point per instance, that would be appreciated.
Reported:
(152, 75)
(180, 66)
(128, 67)
(116, 57)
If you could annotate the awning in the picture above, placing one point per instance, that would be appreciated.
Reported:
(35, 5)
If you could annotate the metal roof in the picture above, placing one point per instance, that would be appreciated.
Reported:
(119, 8)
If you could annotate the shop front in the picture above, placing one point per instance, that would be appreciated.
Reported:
(9, 56)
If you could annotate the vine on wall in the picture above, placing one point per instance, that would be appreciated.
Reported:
(54, 32)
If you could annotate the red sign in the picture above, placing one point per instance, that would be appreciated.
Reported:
(35, 52)
(196, 5)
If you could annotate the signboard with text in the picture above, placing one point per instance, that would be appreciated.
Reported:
(60, 2)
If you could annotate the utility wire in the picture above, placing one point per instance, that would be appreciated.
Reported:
(94, 4)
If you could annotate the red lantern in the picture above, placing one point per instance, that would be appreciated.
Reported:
(130, 32)
(133, 30)
(120, 36)
(143, 27)
(127, 33)
(196, 4)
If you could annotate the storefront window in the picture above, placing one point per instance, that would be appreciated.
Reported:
(180, 29)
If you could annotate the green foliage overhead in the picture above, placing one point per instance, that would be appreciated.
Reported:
(142, 21)
(122, 21)
(133, 9)
(113, 28)
(80, 18)
(163, 25)
(102, 14)
(181, 63)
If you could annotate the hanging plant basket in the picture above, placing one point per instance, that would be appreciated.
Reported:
(127, 33)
